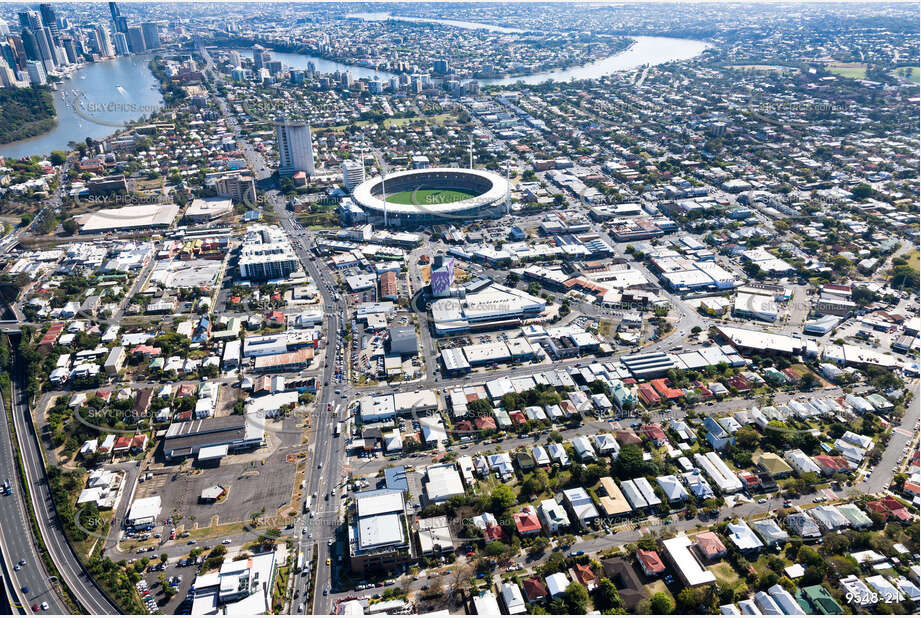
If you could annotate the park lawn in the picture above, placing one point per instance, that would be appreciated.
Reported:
(914, 260)
(659, 586)
(430, 197)
(726, 576)
(852, 70)
(438, 120)
(915, 75)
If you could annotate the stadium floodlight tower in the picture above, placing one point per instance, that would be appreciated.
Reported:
(508, 191)
(383, 165)
(470, 150)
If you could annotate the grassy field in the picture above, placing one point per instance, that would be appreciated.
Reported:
(430, 197)
(915, 75)
(853, 70)
(914, 260)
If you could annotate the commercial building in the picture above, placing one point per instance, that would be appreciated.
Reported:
(295, 147)
(115, 361)
(209, 209)
(142, 217)
(488, 305)
(403, 340)
(353, 173)
(144, 512)
(267, 254)
(377, 531)
(216, 436)
(241, 188)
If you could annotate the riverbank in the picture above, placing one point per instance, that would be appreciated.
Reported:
(123, 87)
(26, 113)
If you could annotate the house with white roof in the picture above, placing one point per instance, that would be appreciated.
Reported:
(674, 490)
(556, 585)
(743, 537)
(558, 454)
(583, 448)
(580, 505)
(552, 516)
(606, 444)
(513, 599)
(801, 462)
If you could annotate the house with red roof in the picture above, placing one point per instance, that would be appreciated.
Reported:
(122, 445)
(648, 394)
(518, 417)
(463, 426)
(494, 533)
(702, 391)
(535, 591)
(526, 522)
(139, 443)
(484, 423)
(897, 509)
(584, 574)
(145, 350)
(105, 394)
(184, 416)
(625, 436)
(710, 546)
(186, 389)
(740, 383)
(665, 389)
(912, 489)
(831, 464)
(878, 507)
(751, 480)
(654, 433)
(274, 319)
(650, 562)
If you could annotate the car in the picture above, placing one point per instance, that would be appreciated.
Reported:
(762, 500)
(35, 607)
(25, 590)
(44, 606)
(225, 542)
(328, 562)
(16, 567)
(22, 562)
(191, 542)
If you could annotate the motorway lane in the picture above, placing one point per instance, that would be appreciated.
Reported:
(17, 536)
(88, 594)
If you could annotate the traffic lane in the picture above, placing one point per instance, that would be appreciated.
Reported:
(83, 587)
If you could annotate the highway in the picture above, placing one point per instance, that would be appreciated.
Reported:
(16, 537)
(83, 587)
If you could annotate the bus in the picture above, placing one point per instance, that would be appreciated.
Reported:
(337, 430)
(300, 562)
(307, 503)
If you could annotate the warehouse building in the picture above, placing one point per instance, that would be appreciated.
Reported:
(212, 437)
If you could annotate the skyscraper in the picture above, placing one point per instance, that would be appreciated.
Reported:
(37, 74)
(30, 45)
(136, 40)
(295, 148)
(49, 20)
(121, 43)
(103, 42)
(30, 19)
(114, 10)
(151, 35)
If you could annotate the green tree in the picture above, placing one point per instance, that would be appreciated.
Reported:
(606, 596)
(661, 603)
(576, 598)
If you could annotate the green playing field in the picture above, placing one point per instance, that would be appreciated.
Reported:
(430, 197)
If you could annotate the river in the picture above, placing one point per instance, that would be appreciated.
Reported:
(645, 50)
(123, 89)
(115, 92)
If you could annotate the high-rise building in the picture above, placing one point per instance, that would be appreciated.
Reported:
(440, 67)
(8, 78)
(295, 148)
(49, 20)
(114, 10)
(104, 45)
(136, 40)
(151, 35)
(30, 19)
(30, 45)
(235, 59)
(46, 46)
(260, 56)
(241, 188)
(37, 75)
(121, 43)
(353, 173)
(9, 56)
(442, 276)
(4, 28)
(70, 48)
